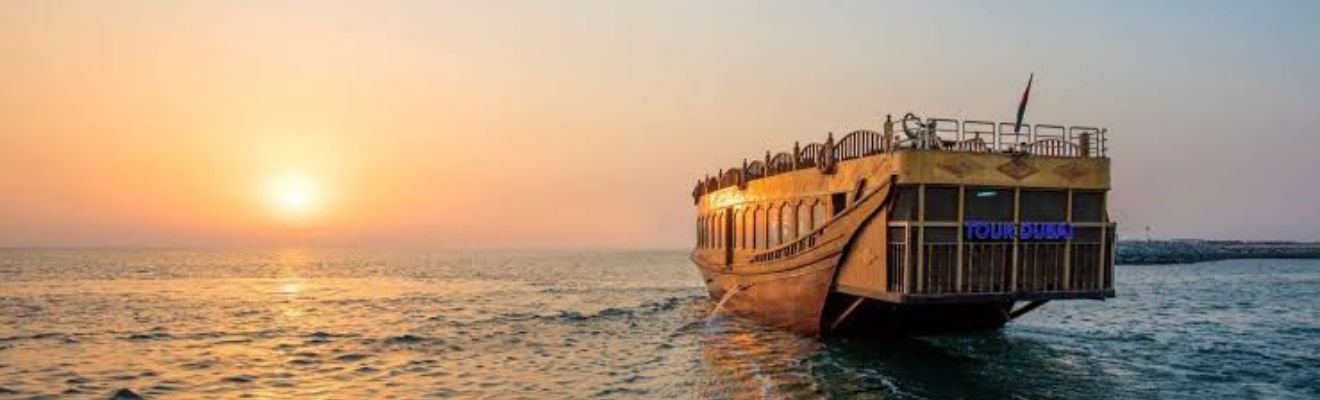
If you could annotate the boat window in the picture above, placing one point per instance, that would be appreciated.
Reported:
(706, 230)
(941, 235)
(709, 238)
(758, 235)
(725, 220)
(717, 226)
(804, 218)
(739, 240)
(724, 228)
(1086, 235)
(817, 214)
(710, 231)
(701, 232)
(749, 229)
(788, 224)
(896, 234)
(734, 221)
(1044, 205)
(721, 229)
(746, 230)
(1088, 206)
(759, 228)
(905, 204)
(772, 234)
(988, 204)
(839, 201)
(941, 203)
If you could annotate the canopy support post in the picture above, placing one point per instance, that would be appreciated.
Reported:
(1026, 309)
(847, 312)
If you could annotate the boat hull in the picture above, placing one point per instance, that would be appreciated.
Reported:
(788, 286)
(879, 318)
(858, 254)
(803, 300)
(792, 299)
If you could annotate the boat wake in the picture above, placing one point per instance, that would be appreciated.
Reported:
(727, 296)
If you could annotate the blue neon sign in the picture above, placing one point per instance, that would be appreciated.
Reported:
(1028, 231)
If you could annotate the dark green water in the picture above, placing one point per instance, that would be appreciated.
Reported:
(335, 324)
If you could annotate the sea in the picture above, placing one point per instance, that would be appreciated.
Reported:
(349, 324)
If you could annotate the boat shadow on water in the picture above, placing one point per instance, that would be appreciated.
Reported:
(746, 361)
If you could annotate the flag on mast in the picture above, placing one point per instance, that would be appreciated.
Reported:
(1022, 107)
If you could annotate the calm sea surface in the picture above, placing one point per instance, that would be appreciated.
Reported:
(334, 324)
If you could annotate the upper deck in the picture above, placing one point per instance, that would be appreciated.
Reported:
(930, 148)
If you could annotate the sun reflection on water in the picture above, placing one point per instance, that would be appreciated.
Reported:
(291, 288)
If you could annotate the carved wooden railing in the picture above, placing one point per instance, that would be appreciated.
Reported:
(860, 143)
(808, 156)
(731, 177)
(755, 170)
(941, 134)
(781, 163)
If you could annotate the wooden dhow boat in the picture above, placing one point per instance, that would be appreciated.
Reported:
(930, 225)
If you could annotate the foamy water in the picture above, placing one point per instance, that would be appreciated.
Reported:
(336, 324)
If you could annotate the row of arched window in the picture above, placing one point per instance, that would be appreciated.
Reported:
(760, 226)
(710, 230)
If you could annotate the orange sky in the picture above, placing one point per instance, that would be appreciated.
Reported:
(561, 124)
(166, 125)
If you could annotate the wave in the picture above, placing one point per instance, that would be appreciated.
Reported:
(645, 309)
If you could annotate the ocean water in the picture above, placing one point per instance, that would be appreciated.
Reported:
(583, 325)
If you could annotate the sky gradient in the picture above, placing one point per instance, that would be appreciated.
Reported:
(584, 124)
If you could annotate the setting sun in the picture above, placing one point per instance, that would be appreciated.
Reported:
(294, 195)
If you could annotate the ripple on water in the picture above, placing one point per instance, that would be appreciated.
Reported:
(243, 378)
(145, 336)
(612, 325)
(351, 357)
(199, 364)
(405, 339)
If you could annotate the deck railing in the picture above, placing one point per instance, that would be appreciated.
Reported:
(941, 134)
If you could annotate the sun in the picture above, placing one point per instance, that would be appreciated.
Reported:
(293, 195)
